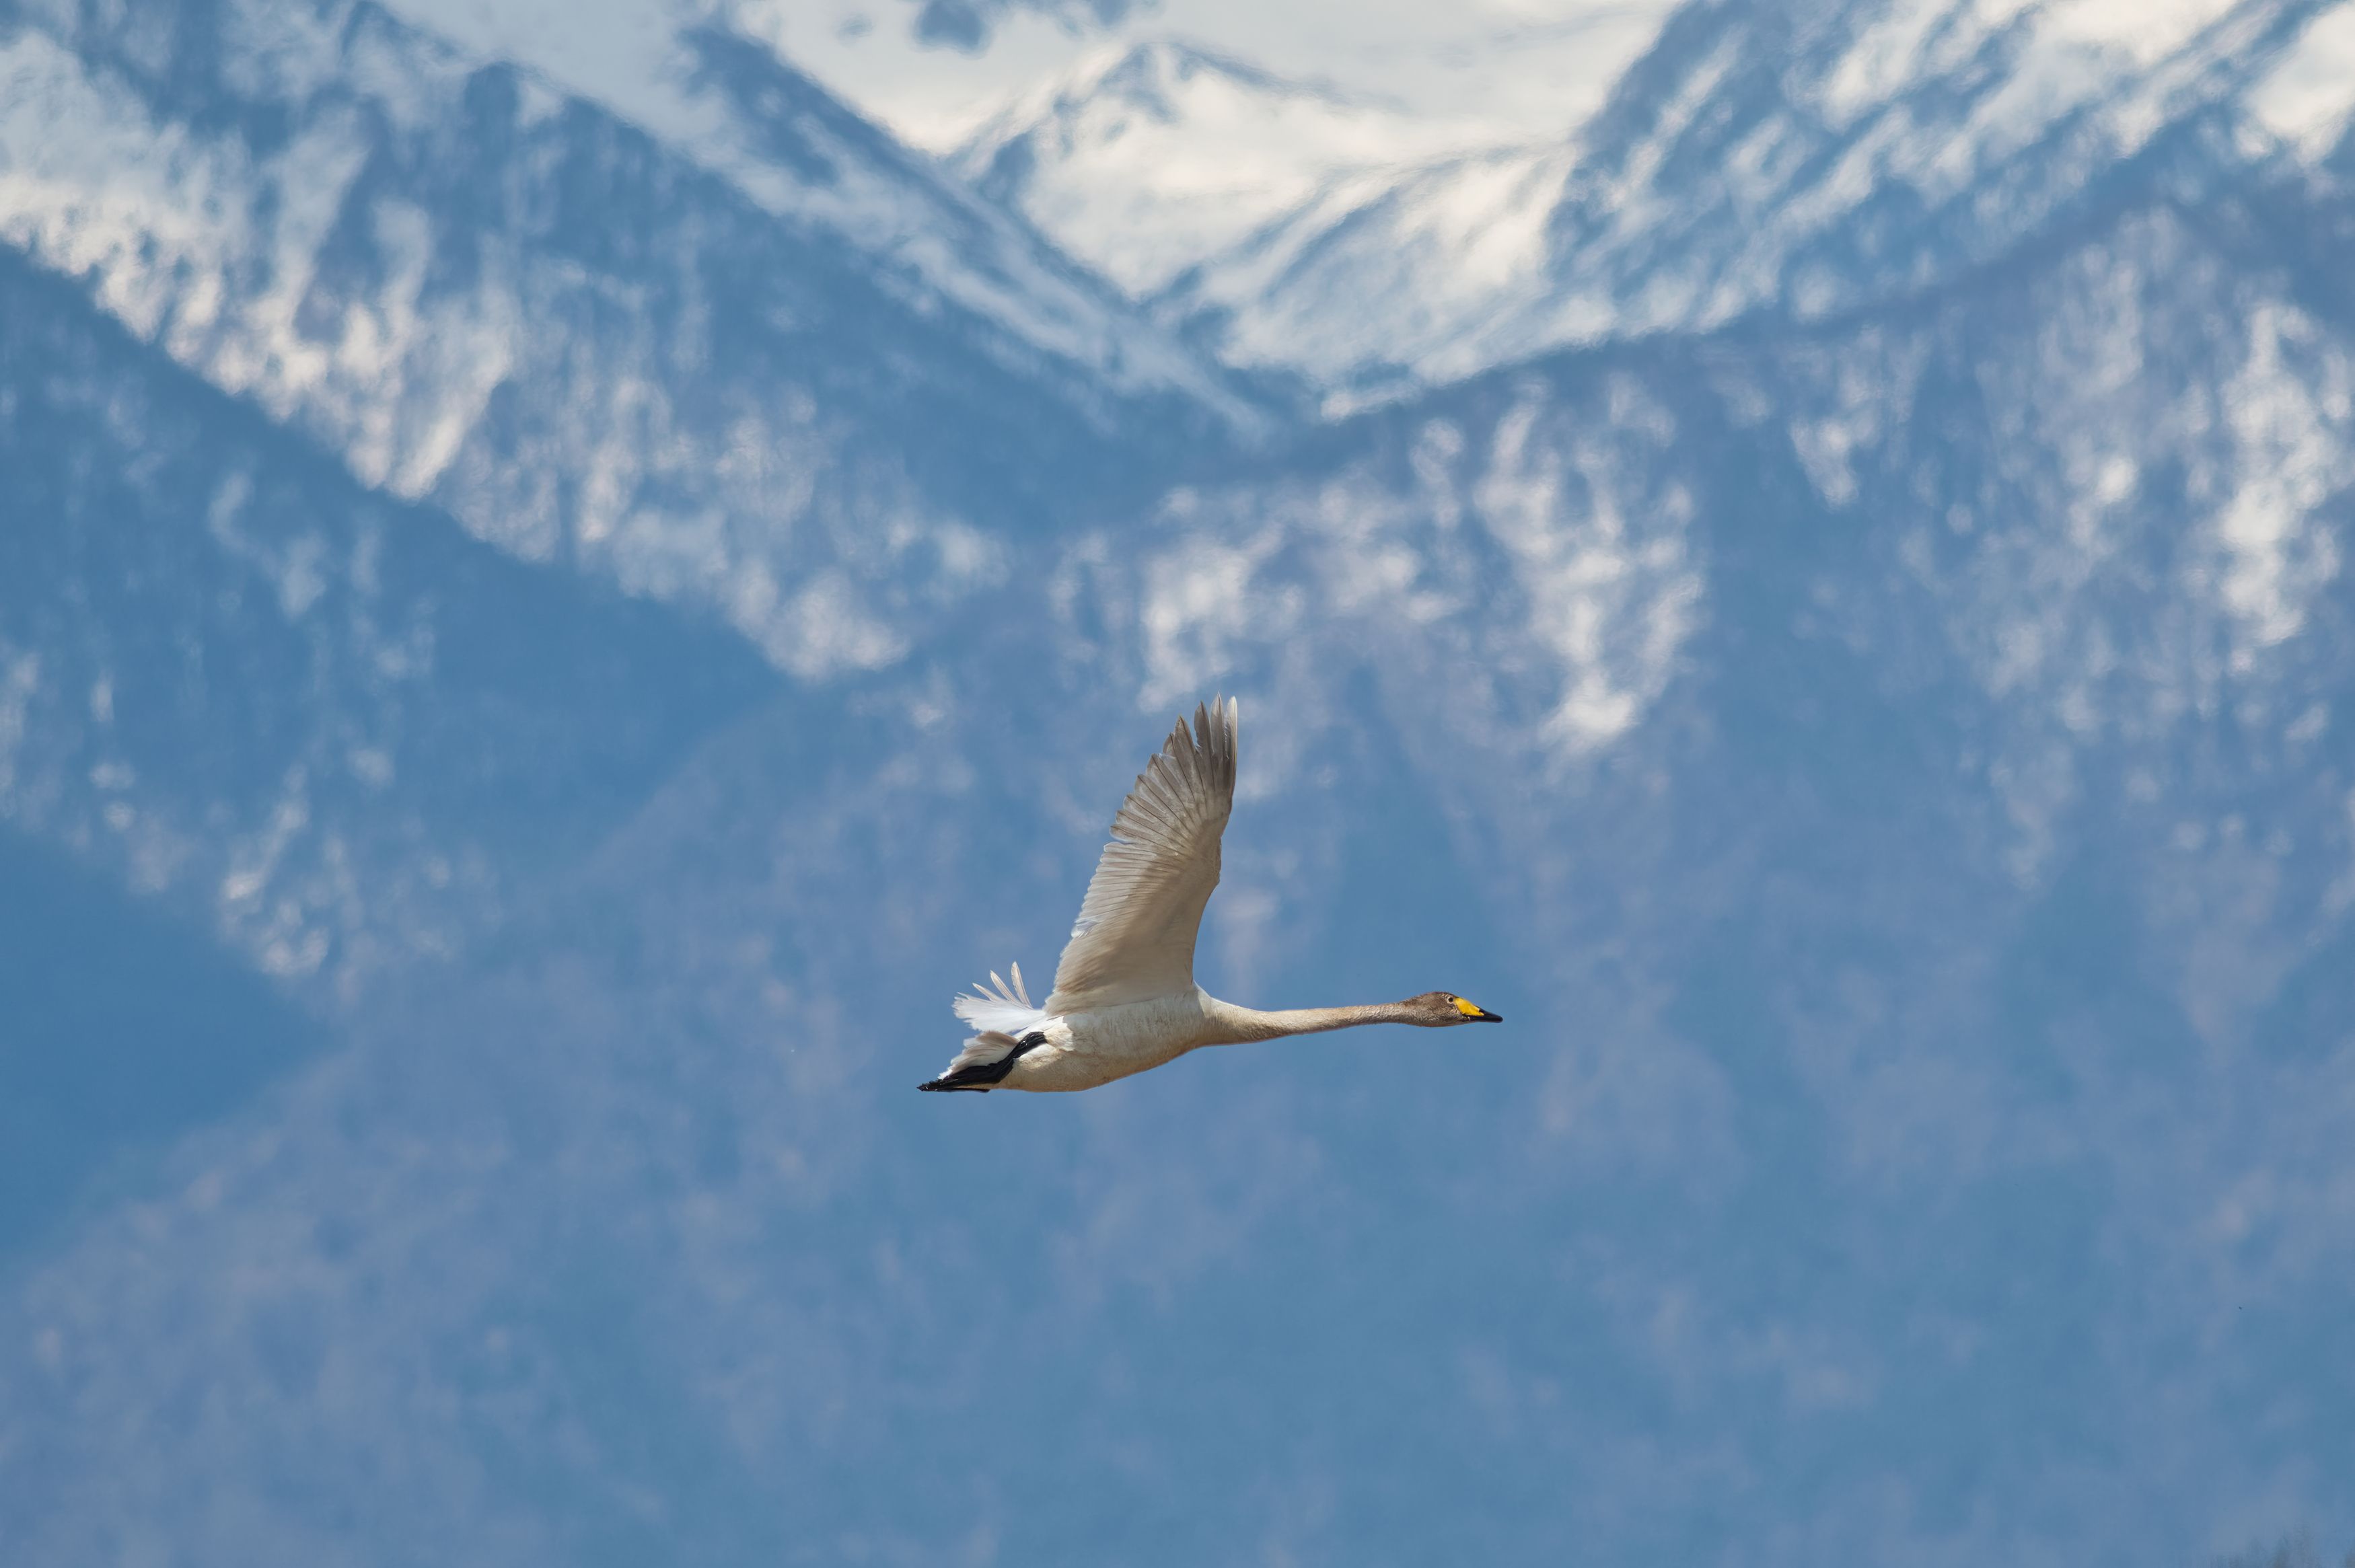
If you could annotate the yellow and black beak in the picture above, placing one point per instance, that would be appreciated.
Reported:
(1473, 1012)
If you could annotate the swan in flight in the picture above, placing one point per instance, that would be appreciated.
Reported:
(1125, 997)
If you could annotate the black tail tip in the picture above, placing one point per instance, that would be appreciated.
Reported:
(930, 1085)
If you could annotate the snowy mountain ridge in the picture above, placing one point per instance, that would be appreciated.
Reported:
(1747, 163)
(692, 76)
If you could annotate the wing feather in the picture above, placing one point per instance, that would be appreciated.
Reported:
(1135, 935)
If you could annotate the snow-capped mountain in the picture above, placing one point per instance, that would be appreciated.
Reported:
(1151, 159)
(1885, 745)
(724, 388)
(1802, 160)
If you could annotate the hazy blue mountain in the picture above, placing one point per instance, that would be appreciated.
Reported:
(311, 727)
(1890, 765)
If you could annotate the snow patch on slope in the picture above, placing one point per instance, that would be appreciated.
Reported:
(2308, 100)
(2290, 412)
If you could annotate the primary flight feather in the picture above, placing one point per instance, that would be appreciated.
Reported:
(1125, 997)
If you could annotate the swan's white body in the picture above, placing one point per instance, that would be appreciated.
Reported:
(1094, 1045)
(1125, 997)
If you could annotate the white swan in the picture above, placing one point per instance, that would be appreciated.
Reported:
(1125, 997)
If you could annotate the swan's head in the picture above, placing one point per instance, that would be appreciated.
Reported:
(1441, 1008)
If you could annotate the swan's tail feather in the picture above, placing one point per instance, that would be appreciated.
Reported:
(999, 1008)
(1005, 1024)
(982, 1062)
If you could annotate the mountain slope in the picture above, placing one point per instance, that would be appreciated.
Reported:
(327, 727)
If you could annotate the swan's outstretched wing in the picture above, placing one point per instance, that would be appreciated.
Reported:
(1135, 935)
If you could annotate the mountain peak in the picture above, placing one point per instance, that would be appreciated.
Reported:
(1145, 158)
(1156, 72)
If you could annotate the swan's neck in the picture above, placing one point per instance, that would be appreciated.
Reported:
(1237, 1024)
